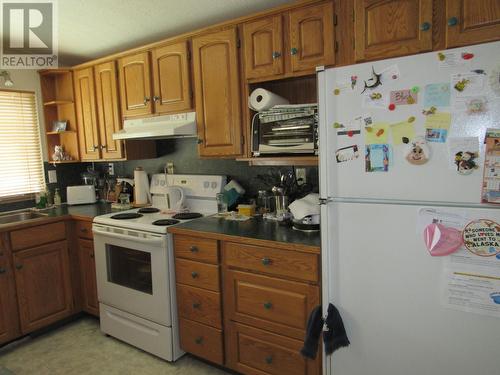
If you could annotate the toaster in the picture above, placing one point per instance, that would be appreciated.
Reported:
(80, 194)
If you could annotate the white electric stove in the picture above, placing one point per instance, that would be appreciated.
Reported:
(135, 264)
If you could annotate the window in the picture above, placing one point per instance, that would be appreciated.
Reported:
(21, 165)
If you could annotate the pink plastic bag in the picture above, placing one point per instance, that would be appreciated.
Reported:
(441, 240)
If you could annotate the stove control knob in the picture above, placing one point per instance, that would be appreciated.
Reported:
(206, 184)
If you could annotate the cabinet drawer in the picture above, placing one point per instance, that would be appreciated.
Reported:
(252, 351)
(200, 249)
(197, 274)
(276, 262)
(201, 340)
(84, 229)
(39, 235)
(272, 304)
(200, 305)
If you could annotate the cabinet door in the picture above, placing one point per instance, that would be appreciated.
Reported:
(43, 285)
(9, 322)
(86, 114)
(88, 274)
(389, 28)
(108, 109)
(263, 47)
(172, 84)
(472, 21)
(135, 85)
(215, 60)
(312, 37)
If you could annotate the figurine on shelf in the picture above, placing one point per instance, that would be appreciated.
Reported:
(59, 154)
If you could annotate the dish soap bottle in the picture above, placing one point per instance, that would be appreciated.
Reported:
(57, 198)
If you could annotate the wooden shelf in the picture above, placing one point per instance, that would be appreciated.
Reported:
(63, 161)
(57, 102)
(63, 132)
(52, 72)
(282, 160)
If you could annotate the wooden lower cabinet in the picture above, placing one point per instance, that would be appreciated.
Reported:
(43, 285)
(199, 305)
(9, 317)
(202, 341)
(90, 303)
(254, 351)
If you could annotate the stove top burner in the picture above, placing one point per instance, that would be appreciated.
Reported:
(165, 222)
(131, 215)
(148, 210)
(187, 215)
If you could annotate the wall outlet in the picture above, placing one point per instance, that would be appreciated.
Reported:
(111, 169)
(300, 175)
(52, 176)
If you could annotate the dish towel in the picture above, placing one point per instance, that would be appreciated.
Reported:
(334, 337)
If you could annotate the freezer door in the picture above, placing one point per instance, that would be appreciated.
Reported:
(378, 273)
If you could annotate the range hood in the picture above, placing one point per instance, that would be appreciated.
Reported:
(159, 127)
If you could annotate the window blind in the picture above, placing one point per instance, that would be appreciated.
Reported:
(21, 164)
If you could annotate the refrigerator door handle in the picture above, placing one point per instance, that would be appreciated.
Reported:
(325, 200)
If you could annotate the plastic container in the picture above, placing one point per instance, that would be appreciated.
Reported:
(246, 209)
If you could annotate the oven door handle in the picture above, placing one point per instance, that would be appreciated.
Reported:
(154, 240)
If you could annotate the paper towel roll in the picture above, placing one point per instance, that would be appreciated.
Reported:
(262, 99)
(141, 182)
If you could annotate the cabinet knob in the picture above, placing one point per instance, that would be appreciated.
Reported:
(146, 100)
(103, 147)
(19, 266)
(452, 21)
(266, 261)
(194, 274)
(425, 26)
(294, 51)
(200, 141)
(2, 270)
(156, 98)
(198, 340)
(196, 305)
(269, 359)
(268, 305)
(84, 230)
(96, 147)
(276, 55)
(193, 249)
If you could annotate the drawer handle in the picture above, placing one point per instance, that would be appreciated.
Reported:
(194, 274)
(293, 51)
(2, 270)
(193, 249)
(268, 305)
(19, 266)
(198, 340)
(276, 55)
(196, 305)
(84, 230)
(266, 261)
(269, 359)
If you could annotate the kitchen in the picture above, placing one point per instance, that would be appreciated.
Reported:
(236, 293)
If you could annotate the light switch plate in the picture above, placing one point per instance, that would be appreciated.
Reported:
(111, 169)
(300, 175)
(52, 176)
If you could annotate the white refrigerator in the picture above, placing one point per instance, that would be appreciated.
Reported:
(405, 311)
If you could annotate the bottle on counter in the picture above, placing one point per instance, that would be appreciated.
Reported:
(57, 198)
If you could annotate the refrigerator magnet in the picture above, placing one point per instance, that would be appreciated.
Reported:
(417, 152)
(466, 162)
(347, 153)
(482, 237)
(372, 82)
(377, 158)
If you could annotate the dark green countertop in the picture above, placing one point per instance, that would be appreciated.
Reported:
(256, 228)
(82, 211)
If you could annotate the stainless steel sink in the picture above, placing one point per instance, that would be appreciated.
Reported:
(15, 217)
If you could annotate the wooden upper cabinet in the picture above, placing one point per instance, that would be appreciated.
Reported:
(263, 47)
(43, 285)
(472, 21)
(108, 109)
(86, 114)
(172, 83)
(217, 86)
(390, 28)
(135, 85)
(312, 39)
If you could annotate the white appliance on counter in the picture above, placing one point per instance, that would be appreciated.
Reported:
(135, 265)
(80, 194)
(376, 269)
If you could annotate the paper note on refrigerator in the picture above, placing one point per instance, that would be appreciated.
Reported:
(438, 120)
(467, 84)
(402, 130)
(376, 133)
(491, 177)
(437, 95)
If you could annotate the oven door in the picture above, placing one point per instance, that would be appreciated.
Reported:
(133, 272)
